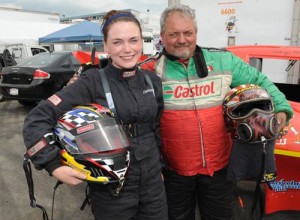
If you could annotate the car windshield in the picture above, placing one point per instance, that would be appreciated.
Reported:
(40, 60)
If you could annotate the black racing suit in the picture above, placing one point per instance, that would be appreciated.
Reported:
(143, 193)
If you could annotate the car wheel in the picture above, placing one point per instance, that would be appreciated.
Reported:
(27, 103)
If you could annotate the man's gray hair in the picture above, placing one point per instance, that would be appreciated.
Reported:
(184, 9)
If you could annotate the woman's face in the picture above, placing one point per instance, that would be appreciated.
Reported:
(124, 44)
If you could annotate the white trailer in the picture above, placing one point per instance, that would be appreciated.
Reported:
(238, 22)
(224, 23)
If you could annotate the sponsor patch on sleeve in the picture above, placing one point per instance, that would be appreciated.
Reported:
(216, 50)
(54, 99)
(37, 148)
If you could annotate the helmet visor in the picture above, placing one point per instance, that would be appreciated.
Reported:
(245, 109)
(101, 136)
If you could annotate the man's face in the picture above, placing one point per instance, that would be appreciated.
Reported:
(179, 37)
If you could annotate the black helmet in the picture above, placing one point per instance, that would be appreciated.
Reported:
(93, 143)
(249, 113)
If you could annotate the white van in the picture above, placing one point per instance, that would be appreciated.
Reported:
(23, 51)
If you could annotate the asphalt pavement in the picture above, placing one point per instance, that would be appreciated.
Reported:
(15, 203)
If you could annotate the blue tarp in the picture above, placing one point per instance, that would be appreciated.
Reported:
(85, 31)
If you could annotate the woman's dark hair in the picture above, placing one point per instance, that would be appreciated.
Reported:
(114, 16)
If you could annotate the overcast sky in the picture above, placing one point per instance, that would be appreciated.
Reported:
(70, 8)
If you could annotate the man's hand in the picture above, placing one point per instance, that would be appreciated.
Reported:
(68, 175)
(73, 79)
(281, 118)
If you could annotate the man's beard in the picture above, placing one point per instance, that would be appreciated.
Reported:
(183, 54)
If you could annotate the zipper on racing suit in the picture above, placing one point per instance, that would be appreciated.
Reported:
(199, 123)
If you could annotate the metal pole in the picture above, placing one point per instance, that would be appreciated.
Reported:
(173, 2)
(295, 41)
(294, 75)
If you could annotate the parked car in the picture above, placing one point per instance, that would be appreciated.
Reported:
(38, 77)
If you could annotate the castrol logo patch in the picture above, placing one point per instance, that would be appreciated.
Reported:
(185, 90)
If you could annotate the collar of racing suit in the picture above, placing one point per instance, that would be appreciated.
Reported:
(123, 73)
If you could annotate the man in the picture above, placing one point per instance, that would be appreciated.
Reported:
(195, 144)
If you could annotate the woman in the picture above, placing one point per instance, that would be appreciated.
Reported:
(137, 102)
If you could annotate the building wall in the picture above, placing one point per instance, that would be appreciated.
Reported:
(27, 15)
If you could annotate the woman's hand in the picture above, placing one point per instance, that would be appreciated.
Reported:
(68, 175)
(281, 118)
(73, 79)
